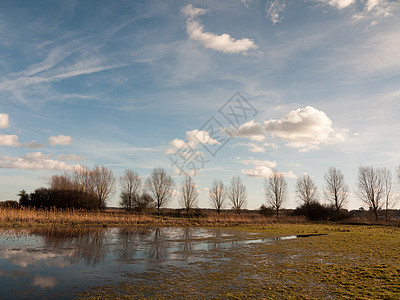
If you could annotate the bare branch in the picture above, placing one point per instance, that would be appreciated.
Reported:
(217, 195)
(371, 188)
(336, 190)
(161, 186)
(275, 189)
(189, 194)
(237, 194)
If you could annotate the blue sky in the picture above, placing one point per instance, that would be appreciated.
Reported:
(128, 83)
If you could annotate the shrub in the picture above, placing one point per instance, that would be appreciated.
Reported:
(314, 211)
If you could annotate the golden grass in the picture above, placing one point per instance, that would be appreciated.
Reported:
(11, 217)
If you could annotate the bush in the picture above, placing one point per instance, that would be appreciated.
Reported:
(59, 198)
(266, 211)
(9, 204)
(314, 211)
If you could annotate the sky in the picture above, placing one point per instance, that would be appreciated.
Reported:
(213, 89)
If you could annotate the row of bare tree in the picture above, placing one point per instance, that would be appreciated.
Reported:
(161, 188)
(374, 187)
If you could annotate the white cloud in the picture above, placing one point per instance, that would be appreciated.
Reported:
(273, 8)
(257, 148)
(9, 140)
(305, 129)
(193, 138)
(375, 9)
(251, 130)
(191, 12)
(201, 136)
(224, 42)
(12, 141)
(4, 122)
(261, 168)
(60, 140)
(35, 161)
(339, 4)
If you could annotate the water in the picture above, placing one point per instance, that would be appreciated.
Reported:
(61, 262)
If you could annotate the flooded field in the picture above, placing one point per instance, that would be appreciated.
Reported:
(59, 262)
(329, 262)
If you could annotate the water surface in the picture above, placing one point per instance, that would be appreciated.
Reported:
(61, 262)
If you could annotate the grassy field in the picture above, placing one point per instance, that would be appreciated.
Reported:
(350, 262)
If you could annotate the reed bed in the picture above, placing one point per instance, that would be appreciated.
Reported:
(28, 217)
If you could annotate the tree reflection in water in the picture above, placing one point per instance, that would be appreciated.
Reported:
(79, 244)
(158, 248)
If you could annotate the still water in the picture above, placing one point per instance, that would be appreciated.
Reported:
(61, 262)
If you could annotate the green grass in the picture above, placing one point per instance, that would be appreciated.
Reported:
(351, 262)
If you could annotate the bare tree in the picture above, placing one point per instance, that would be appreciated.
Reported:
(189, 194)
(103, 183)
(336, 190)
(237, 194)
(161, 186)
(275, 189)
(62, 182)
(371, 188)
(81, 179)
(306, 190)
(217, 195)
(388, 191)
(131, 184)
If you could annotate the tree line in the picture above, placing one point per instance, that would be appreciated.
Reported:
(90, 189)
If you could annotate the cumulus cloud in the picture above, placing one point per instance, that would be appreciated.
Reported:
(4, 122)
(223, 43)
(12, 141)
(35, 161)
(193, 138)
(273, 8)
(60, 140)
(251, 130)
(200, 136)
(261, 168)
(340, 4)
(305, 129)
(9, 140)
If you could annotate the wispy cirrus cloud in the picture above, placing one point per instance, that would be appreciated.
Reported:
(369, 8)
(273, 8)
(223, 43)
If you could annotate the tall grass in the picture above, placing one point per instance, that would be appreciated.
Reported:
(34, 217)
